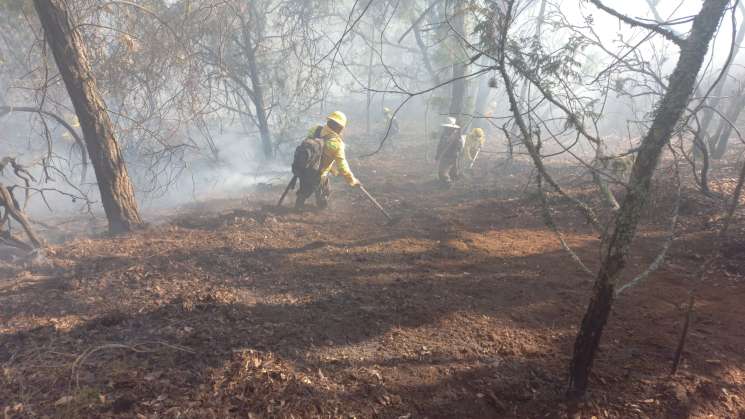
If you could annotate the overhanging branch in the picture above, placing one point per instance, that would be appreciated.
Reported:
(654, 27)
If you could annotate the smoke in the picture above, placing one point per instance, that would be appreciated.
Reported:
(240, 168)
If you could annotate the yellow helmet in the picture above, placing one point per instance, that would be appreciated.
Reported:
(478, 132)
(387, 109)
(339, 118)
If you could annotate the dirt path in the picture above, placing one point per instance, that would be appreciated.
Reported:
(466, 308)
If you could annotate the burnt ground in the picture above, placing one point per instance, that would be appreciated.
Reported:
(466, 308)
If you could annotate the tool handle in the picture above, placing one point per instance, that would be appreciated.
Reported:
(475, 156)
(375, 202)
(287, 189)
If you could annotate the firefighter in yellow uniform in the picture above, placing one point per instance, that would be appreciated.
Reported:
(333, 161)
(474, 141)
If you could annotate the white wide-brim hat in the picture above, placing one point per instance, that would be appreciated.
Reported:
(451, 123)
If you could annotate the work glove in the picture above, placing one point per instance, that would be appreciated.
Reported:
(355, 183)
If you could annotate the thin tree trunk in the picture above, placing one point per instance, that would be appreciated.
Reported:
(716, 100)
(524, 92)
(458, 92)
(66, 43)
(667, 115)
(605, 191)
(7, 201)
(425, 54)
(256, 91)
(258, 100)
(720, 140)
(482, 101)
(368, 116)
(709, 114)
(700, 146)
(539, 20)
(715, 255)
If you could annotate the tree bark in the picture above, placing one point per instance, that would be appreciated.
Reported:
(458, 92)
(258, 99)
(700, 146)
(66, 43)
(256, 93)
(667, 115)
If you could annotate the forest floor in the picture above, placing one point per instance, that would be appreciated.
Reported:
(467, 308)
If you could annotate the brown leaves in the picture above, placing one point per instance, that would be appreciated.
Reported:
(269, 386)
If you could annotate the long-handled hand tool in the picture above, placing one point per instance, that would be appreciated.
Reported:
(290, 185)
(391, 220)
(470, 166)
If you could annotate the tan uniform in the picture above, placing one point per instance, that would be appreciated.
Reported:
(448, 152)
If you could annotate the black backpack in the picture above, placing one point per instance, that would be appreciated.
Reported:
(308, 155)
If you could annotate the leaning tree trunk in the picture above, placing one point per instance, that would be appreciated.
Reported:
(667, 115)
(458, 92)
(12, 210)
(66, 43)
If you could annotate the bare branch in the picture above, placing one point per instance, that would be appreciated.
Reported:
(655, 27)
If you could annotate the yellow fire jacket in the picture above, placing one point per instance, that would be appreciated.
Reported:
(334, 158)
(473, 144)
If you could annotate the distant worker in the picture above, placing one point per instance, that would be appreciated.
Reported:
(72, 120)
(321, 153)
(474, 141)
(390, 119)
(448, 152)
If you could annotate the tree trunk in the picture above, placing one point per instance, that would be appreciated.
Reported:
(425, 54)
(117, 193)
(716, 100)
(256, 91)
(368, 115)
(458, 92)
(258, 100)
(720, 140)
(669, 111)
(482, 101)
(525, 93)
(705, 164)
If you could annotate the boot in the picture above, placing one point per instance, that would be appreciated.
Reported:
(299, 204)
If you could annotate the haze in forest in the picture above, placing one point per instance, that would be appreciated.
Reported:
(371, 208)
(220, 153)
